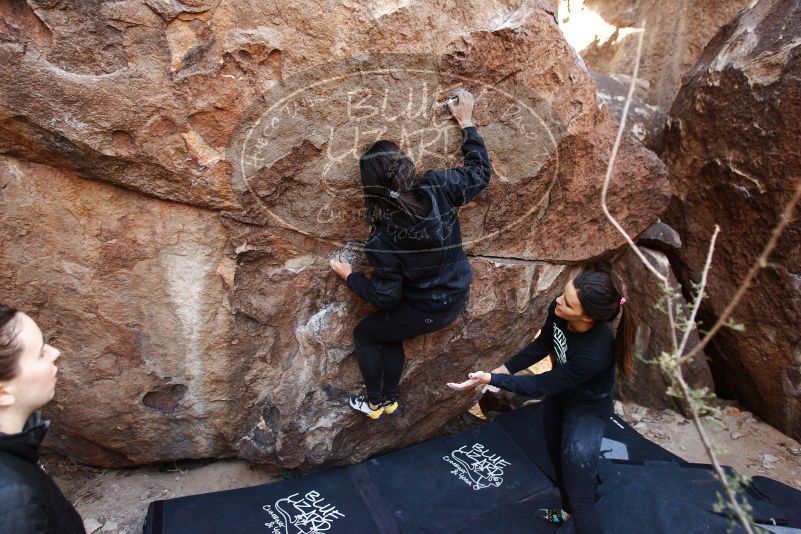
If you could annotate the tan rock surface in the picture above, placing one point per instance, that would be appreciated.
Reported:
(127, 286)
(194, 302)
(732, 147)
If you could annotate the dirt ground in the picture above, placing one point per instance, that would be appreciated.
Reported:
(749, 445)
(114, 501)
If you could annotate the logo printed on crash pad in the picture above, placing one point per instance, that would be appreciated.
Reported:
(477, 467)
(296, 514)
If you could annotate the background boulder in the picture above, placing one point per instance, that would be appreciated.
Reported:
(732, 149)
(645, 297)
(604, 33)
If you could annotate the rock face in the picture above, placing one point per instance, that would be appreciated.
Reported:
(175, 177)
(643, 293)
(644, 122)
(676, 34)
(740, 176)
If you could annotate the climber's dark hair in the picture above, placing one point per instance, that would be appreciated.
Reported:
(386, 168)
(9, 345)
(600, 300)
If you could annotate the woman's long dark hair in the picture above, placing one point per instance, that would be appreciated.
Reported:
(600, 300)
(388, 180)
(9, 347)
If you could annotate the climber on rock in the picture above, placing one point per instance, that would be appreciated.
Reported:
(578, 390)
(30, 501)
(421, 277)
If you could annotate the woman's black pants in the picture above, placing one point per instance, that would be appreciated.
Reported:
(379, 344)
(573, 437)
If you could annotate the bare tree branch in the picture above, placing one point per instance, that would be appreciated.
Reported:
(620, 130)
(700, 296)
(699, 427)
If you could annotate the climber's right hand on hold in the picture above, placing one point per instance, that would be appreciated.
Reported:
(341, 268)
(461, 107)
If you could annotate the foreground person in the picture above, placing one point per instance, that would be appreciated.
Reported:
(578, 390)
(30, 502)
(420, 277)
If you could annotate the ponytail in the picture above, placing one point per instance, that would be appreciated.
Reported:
(388, 179)
(601, 301)
(624, 343)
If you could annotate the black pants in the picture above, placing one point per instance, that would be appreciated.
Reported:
(573, 437)
(379, 344)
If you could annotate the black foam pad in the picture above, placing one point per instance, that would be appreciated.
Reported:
(486, 480)
(524, 516)
(639, 447)
(670, 497)
(440, 485)
(785, 498)
(525, 427)
(328, 500)
(466, 474)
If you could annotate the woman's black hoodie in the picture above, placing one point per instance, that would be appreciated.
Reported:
(584, 367)
(30, 502)
(420, 259)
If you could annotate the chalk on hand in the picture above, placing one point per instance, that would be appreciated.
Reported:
(461, 386)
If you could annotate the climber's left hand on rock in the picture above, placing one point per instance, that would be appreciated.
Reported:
(342, 268)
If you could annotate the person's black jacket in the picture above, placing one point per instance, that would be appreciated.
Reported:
(30, 502)
(584, 371)
(420, 259)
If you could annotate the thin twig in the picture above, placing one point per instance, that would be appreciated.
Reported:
(671, 319)
(759, 264)
(700, 296)
(608, 178)
(685, 389)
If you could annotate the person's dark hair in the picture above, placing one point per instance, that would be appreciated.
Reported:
(388, 180)
(9, 346)
(600, 300)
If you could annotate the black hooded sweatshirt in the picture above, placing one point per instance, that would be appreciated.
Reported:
(420, 259)
(30, 502)
(584, 371)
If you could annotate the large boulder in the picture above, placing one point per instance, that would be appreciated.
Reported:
(732, 148)
(176, 176)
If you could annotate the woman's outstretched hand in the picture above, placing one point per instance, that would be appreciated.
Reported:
(462, 109)
(474, 379)
(342, 268)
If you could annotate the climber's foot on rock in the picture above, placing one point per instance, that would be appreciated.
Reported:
(390, 406)
(362, 405)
